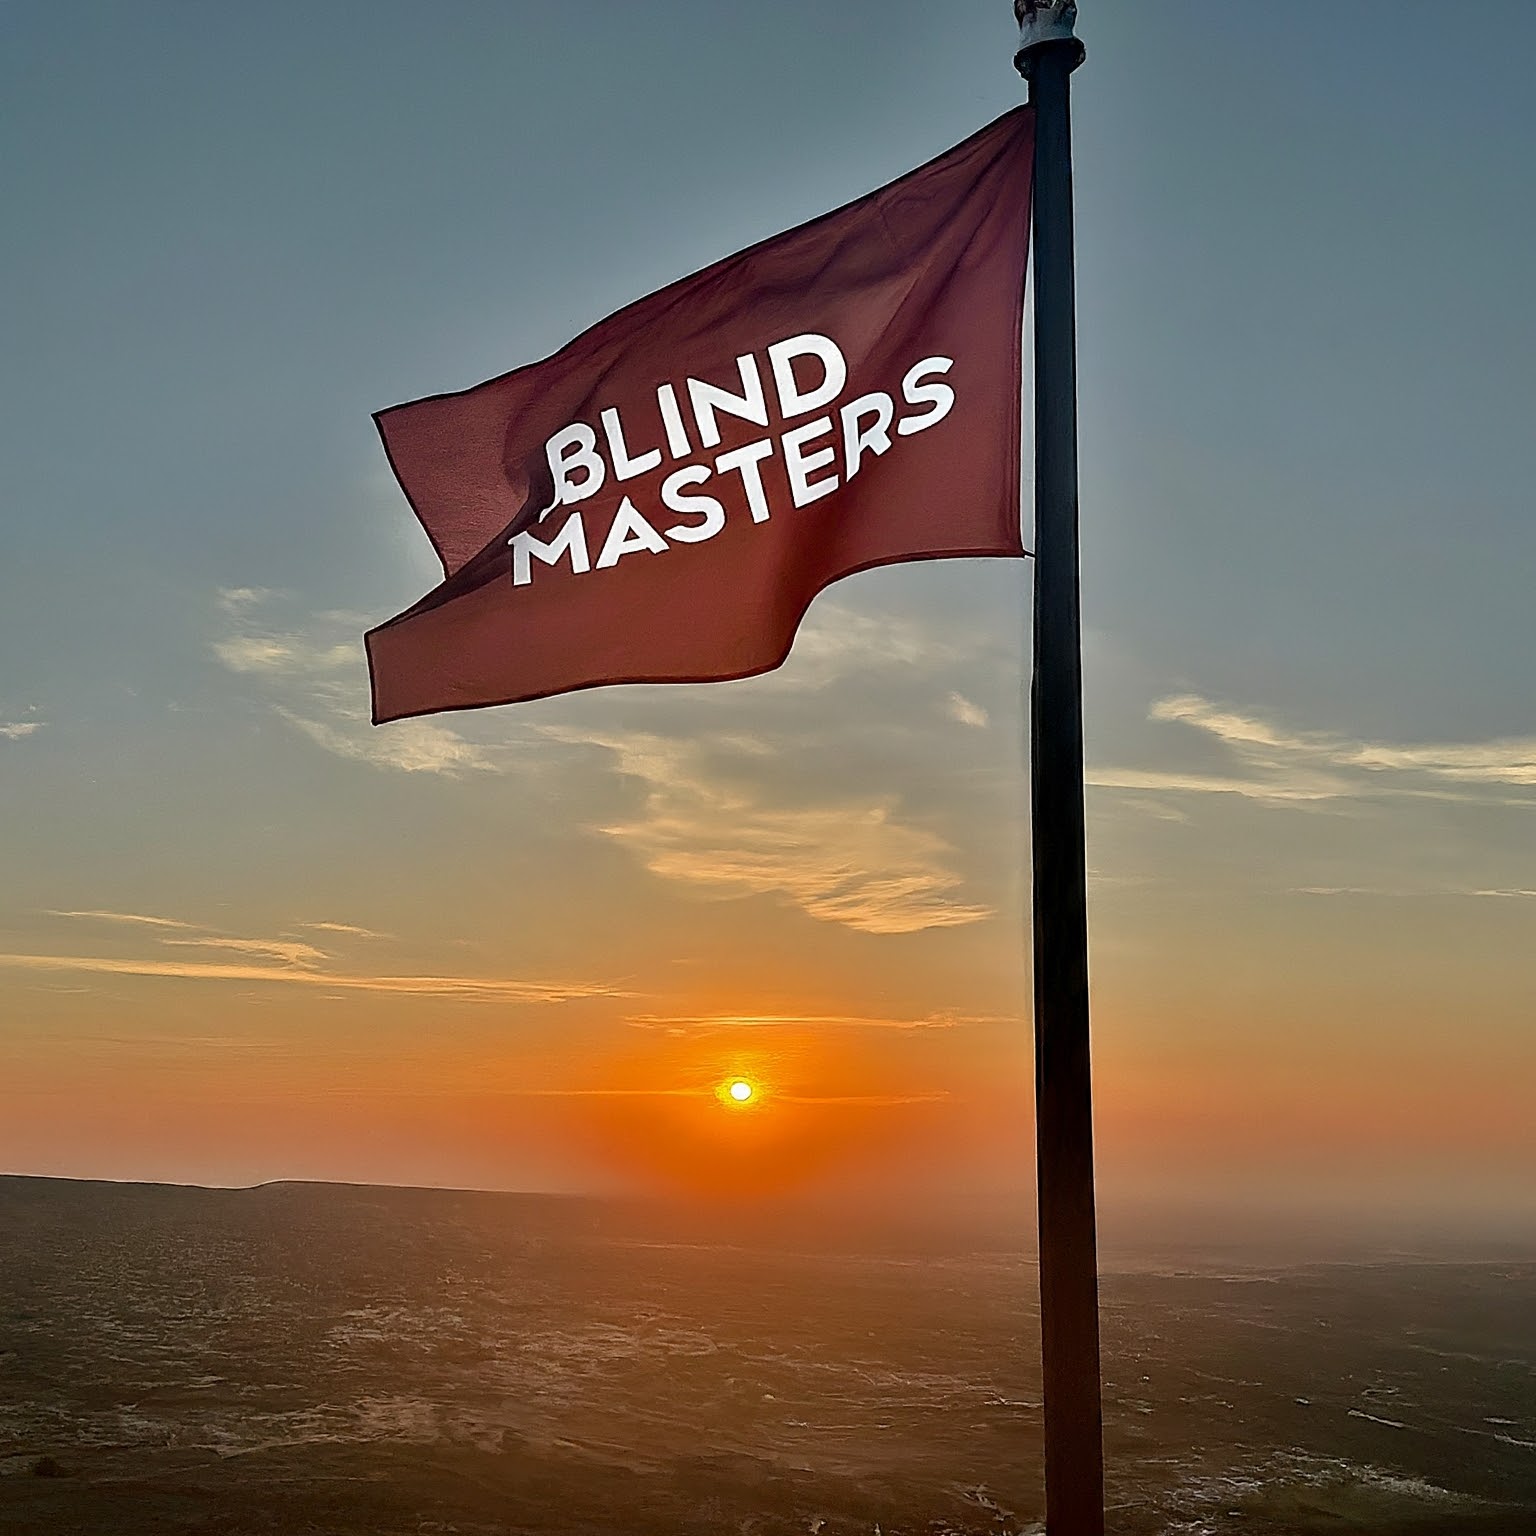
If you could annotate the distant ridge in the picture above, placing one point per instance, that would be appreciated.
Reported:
(282, 1184)
(1136, 1236)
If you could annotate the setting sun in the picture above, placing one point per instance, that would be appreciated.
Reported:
(740, 1090)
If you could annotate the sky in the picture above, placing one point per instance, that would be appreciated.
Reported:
(245, 935)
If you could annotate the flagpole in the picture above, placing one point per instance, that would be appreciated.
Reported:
(1069, 1299)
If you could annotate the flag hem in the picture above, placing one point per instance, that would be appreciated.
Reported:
(1019, 553)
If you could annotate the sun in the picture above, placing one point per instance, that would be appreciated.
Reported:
(742, 1090)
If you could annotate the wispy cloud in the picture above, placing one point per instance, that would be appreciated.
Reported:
(281, 654)
(289, 962)
(466, 988)
(864, 1100)
(285, 951)
(140, 919)
(18, 730)
(237, 600)
(1281, 766)
(313, 674)
(412, 746)
(836, 640)
(961, 710)
(867, 1100)
(1155, 780)
(1417, 892)
(349, 929)
(680, 1024)
(606, 1093)
(852, 862)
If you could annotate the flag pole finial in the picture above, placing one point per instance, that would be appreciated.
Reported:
(1042, 23)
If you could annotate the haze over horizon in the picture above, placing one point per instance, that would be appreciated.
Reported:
(247, 937)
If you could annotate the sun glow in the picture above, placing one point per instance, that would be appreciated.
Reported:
(739, 1091)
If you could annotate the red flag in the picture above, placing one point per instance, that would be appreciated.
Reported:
(661, 500)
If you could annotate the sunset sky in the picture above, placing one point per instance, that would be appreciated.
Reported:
(245, 935)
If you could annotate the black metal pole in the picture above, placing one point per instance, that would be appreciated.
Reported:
(1069, 1287)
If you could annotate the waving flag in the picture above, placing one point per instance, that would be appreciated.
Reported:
(661, 500)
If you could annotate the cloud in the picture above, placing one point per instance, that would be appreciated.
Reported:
(1144, 805)
(313, 672)
(292, 962)
(606, 1093)
(1410, 893)
(288, 952)
(464, 988)
(17, 730)
(237, 600)
(1211, 784)
(961, 709)
(835, 640)
(351, 929)
(1231, 727)
(1507, 761)
(865, 1100)
(412, 746)
(281, 653)
(140, 918)
(851, 862)
(679, 1024)
(1280, 766)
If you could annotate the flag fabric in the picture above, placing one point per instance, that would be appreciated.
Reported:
(661, 500)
